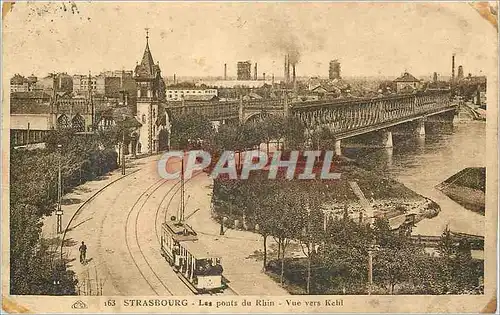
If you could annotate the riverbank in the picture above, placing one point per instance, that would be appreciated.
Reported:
(387, 197)
(467, 188)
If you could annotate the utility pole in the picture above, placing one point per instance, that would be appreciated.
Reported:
(123, 151)
(91, 101)
(370, 270)
(59, 211)
(181, 215)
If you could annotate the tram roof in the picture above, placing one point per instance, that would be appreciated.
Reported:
(178, 231)
(198, 250)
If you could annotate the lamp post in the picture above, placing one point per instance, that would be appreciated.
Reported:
(223, 219)
(59, 211)
(123, 151)
(371, 249)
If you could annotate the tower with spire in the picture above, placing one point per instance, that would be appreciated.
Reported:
(150, 92)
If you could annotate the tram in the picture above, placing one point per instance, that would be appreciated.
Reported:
(195, 266)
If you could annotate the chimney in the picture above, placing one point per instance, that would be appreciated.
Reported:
(453, 68)
(174, 78)
(288, 69)
(225, 71)
(293, 77)
(264, 76)
(285, 71)
(255, 72)
(272, 82)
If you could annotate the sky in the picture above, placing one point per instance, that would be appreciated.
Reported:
(196, 39)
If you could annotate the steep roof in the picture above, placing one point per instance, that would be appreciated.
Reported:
(147, 67)
(30, 95)
(406, 77)
(29, 108)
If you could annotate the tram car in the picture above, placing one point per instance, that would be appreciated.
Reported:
(196, 267)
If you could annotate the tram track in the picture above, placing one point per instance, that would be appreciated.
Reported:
(130, 242)
(148, 193)
(228, 290)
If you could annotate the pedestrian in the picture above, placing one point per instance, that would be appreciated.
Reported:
(83, 252)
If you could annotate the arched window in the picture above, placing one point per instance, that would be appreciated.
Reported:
(62, 122)
(78, 123)
(143, 118)
(154, 113)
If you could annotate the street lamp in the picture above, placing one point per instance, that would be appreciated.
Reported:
(372, 248)
(223, 219)
(59, 211)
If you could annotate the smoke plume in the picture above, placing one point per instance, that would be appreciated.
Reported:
(277, 34)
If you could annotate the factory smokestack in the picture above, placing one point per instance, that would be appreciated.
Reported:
(272, 82)
(288, 69)
(285, 71)
(453, 68)
(174, 78)
(255, 72)
(293, 77)
(264, 76)
(225, 71)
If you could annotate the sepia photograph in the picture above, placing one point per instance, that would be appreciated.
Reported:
(294, 157)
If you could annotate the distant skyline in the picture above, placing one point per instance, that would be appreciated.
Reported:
(196, 39)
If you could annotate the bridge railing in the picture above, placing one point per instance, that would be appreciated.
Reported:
(212, 110)
(345, 115)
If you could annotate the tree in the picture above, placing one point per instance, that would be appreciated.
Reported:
(323, 139)
(262, 201)
(294, 133)
(459, 273)
(272, 129)
(189, 130)
(288, 218)
(345, 253)
(32, 267)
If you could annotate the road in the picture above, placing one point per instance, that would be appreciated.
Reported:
(121, 227)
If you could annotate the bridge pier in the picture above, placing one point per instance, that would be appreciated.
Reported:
(420, 128)
(338, 149)
(387, 139)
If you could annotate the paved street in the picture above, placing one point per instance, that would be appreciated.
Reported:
(121, 226)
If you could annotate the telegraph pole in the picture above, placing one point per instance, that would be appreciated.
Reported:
(123, 151)
(181, 216)
(59, 211)
(91, 101)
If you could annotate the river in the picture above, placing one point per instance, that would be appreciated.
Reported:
(422, 163)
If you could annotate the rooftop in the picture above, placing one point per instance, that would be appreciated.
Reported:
(407, 77)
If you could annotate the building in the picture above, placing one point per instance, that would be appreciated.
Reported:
(19, 83)
(58, 82)
(150, 111)
(334, 70)
(82, 84)
(244, 70)
(177, 94)
(29, 122)
(407, 83)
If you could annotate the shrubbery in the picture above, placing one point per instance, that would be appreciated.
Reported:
(35, 267)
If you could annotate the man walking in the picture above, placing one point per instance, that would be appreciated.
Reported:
(83, 252)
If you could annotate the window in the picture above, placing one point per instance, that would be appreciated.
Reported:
(78, 123)
(143, 118)
(62, 122)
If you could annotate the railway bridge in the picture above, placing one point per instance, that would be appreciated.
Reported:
(345, 118)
